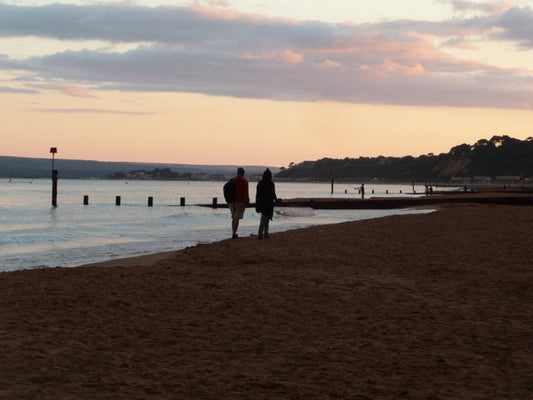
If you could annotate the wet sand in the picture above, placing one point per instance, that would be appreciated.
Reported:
(432, 306)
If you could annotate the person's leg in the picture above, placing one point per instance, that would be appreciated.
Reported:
(238, 213)
(234, 219)
(261, 227)
(235, 226)
(267, 222)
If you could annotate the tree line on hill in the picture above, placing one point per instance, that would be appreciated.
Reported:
(500, 156)
(160, 174)
(25, 167)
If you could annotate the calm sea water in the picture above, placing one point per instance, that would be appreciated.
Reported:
(33, 234)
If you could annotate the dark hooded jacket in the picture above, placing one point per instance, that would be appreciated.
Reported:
(266, 195)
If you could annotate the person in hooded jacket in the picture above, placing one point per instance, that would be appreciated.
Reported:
(265, 199)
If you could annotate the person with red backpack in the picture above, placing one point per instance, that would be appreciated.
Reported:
(237, 205)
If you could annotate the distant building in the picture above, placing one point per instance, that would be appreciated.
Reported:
(466, 180)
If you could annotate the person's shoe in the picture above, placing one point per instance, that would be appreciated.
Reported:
(266, 235)
(259, 237)
(235, 236)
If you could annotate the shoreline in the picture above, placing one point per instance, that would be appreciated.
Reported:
(287, 220)
(434, 305)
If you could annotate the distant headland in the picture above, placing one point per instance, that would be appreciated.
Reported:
(499, 159)
(22, 167)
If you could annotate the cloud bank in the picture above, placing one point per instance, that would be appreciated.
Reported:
(219, 51)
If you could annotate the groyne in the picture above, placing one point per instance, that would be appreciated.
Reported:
(375, 203)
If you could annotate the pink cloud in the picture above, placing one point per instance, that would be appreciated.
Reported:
(70, 90)
(331, 64)
(486, 7)
(389, 68)
(212, 48)
(224, 14)
(460, 44)
(291, 57)
(286, 56)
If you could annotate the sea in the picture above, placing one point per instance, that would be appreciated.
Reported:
(33, 234)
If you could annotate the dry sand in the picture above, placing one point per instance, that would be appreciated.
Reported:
(434, 306)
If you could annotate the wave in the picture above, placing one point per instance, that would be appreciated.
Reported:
(294, 211)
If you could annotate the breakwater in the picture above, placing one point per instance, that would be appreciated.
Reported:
(380, 203)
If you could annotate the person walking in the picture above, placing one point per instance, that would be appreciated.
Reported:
(264, 202)
(240, 201)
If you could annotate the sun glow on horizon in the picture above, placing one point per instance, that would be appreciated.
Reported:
(196, 129)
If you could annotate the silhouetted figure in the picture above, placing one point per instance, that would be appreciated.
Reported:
(362, 190)
(265, 198)
(240, 201)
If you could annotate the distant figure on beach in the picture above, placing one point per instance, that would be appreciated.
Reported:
(265, 198)
(362, 190)
(240, 201)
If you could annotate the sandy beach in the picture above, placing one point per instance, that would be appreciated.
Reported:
(429, 306)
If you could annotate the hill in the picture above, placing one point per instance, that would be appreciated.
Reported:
(22, 167)
(501, 157)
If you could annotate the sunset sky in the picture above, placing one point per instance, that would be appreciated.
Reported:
(262, 82)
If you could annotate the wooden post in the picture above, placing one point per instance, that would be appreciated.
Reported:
(54, 188)
(117, 201)
(53, 150)
(85, 200)
(332, 183)
(182, 201)
(150, 201)
(215, 201)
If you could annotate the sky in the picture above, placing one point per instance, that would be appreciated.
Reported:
(261, 82)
